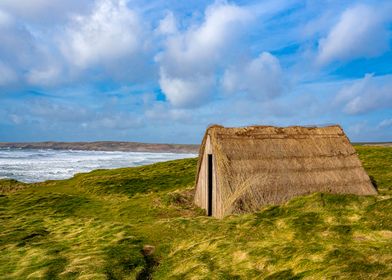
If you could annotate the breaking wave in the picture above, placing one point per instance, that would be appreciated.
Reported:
(39, 165)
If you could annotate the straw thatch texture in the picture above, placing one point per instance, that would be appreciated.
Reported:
(264, 165)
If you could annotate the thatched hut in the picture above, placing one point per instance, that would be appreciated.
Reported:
(242, 169)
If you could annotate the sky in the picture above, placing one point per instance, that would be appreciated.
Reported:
(162, 71)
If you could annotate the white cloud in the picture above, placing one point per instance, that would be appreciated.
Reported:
(186, 91)
(190, 59)
(5, 19)
(48, 75)
(109, 33)
(161, 112)
(365, 95)
(26, 57)
(17, 49)
(385, 123)
(261, 78)
(360, 32)
(357, 128)
(44, 11)
(167, 25)
(7, 75)
(107, 42)
(46, 109)
(60, 112)
(119, 121)
(16, 40)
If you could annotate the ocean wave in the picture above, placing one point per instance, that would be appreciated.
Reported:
(39, 165)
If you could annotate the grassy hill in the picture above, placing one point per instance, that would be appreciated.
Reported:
(139, 223)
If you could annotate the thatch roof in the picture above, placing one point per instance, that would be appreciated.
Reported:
(264, 165)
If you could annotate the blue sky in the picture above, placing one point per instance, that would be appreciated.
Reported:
(162, 71)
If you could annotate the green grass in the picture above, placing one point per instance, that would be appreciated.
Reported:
(97, 225)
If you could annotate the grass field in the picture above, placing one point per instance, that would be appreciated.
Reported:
(139, 223)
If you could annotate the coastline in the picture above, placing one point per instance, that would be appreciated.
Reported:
(105, 146)
(122, 146)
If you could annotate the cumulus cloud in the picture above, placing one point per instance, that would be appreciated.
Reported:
(365, 95)
(116, 121)
(191, 58)
(18, 51)
(161, 112)
(62, 113)
(44, 11)
(360, 32)
(167, 25)
(385, 123)
(45, 75)
(7, 75)
(184, 91)
(25, 58)
(357, 128)
(5, 19)
(107, 41)
(261, 78)
(109, 33)
(100, 56)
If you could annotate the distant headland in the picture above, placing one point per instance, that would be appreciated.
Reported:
(104, 146)
(127, 146)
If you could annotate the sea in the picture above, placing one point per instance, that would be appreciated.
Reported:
(33, 165)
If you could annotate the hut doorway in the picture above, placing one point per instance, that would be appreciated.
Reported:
(209, 192)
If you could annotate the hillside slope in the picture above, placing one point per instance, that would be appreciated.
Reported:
(139, 223)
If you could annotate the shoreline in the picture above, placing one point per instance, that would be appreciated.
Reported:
(122, 146)
(106, 146)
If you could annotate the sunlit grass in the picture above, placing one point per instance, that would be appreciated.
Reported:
(96, 226)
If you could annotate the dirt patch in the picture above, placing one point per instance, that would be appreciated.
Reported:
(151, 263)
